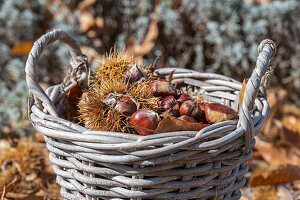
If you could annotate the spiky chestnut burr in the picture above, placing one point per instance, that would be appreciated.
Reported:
(192, 109)
(215, 112)
(145, 118)
(162, 88)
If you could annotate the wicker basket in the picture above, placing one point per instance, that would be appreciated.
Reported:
(209, 164)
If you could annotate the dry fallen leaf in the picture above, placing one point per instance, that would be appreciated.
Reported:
(264, 193)
(4, 144)
(291, 130)
(244, 198)
(283, 193)
(291, 109)
(171, 124)
(86, 21)
(48, 166)
(241, 94)
(86, 4)
(22, 48)
(147, 44)
(38, 137)
(24, 161)
(7, 188)
(272, 174)
(278, 153)
(74, 93)
(270, 130)
(15, 196)
(296, 187)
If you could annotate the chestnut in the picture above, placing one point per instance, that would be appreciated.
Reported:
(133, 74)
(168, 102)
(215, 112)
(125, 106)
(171, 112)
(187, 118)
(162, 88)
(192, 109)
(202, 106)
(145, 118)
(184, 97)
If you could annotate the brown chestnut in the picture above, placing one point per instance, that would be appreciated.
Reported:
(215, 112)
(145, 118)
(162, 88)
(202, 106)
(184, 97)
(133, 74)
(171, 112)
(125, 106)
(192, 109)
(187, 118)
(169, 102)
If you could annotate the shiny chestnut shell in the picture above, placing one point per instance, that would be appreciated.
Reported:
(133, 74)
(125, 106)
(162, 88)
(145, 118)
(202, 107)
(169, 102)
(215, 112)
(192, 109)
(184, 97)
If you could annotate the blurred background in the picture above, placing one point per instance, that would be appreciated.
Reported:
(205, 35)
(213, 36)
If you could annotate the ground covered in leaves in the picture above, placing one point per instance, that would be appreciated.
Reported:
(215, 36)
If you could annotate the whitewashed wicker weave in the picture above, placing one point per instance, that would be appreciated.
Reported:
(209, 164)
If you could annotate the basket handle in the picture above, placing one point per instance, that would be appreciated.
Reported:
(35, 90)
(261, 76)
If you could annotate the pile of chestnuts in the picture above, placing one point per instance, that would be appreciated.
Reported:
(181, 106)
(125, 97)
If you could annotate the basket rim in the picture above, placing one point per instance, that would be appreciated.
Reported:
(132, 137)
(38, 97)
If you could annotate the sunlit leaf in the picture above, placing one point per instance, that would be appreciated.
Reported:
(171, 124)
(22, 48)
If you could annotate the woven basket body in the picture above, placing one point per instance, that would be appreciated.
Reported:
(209, 164)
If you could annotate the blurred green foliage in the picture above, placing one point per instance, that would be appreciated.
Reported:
(215, 36)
